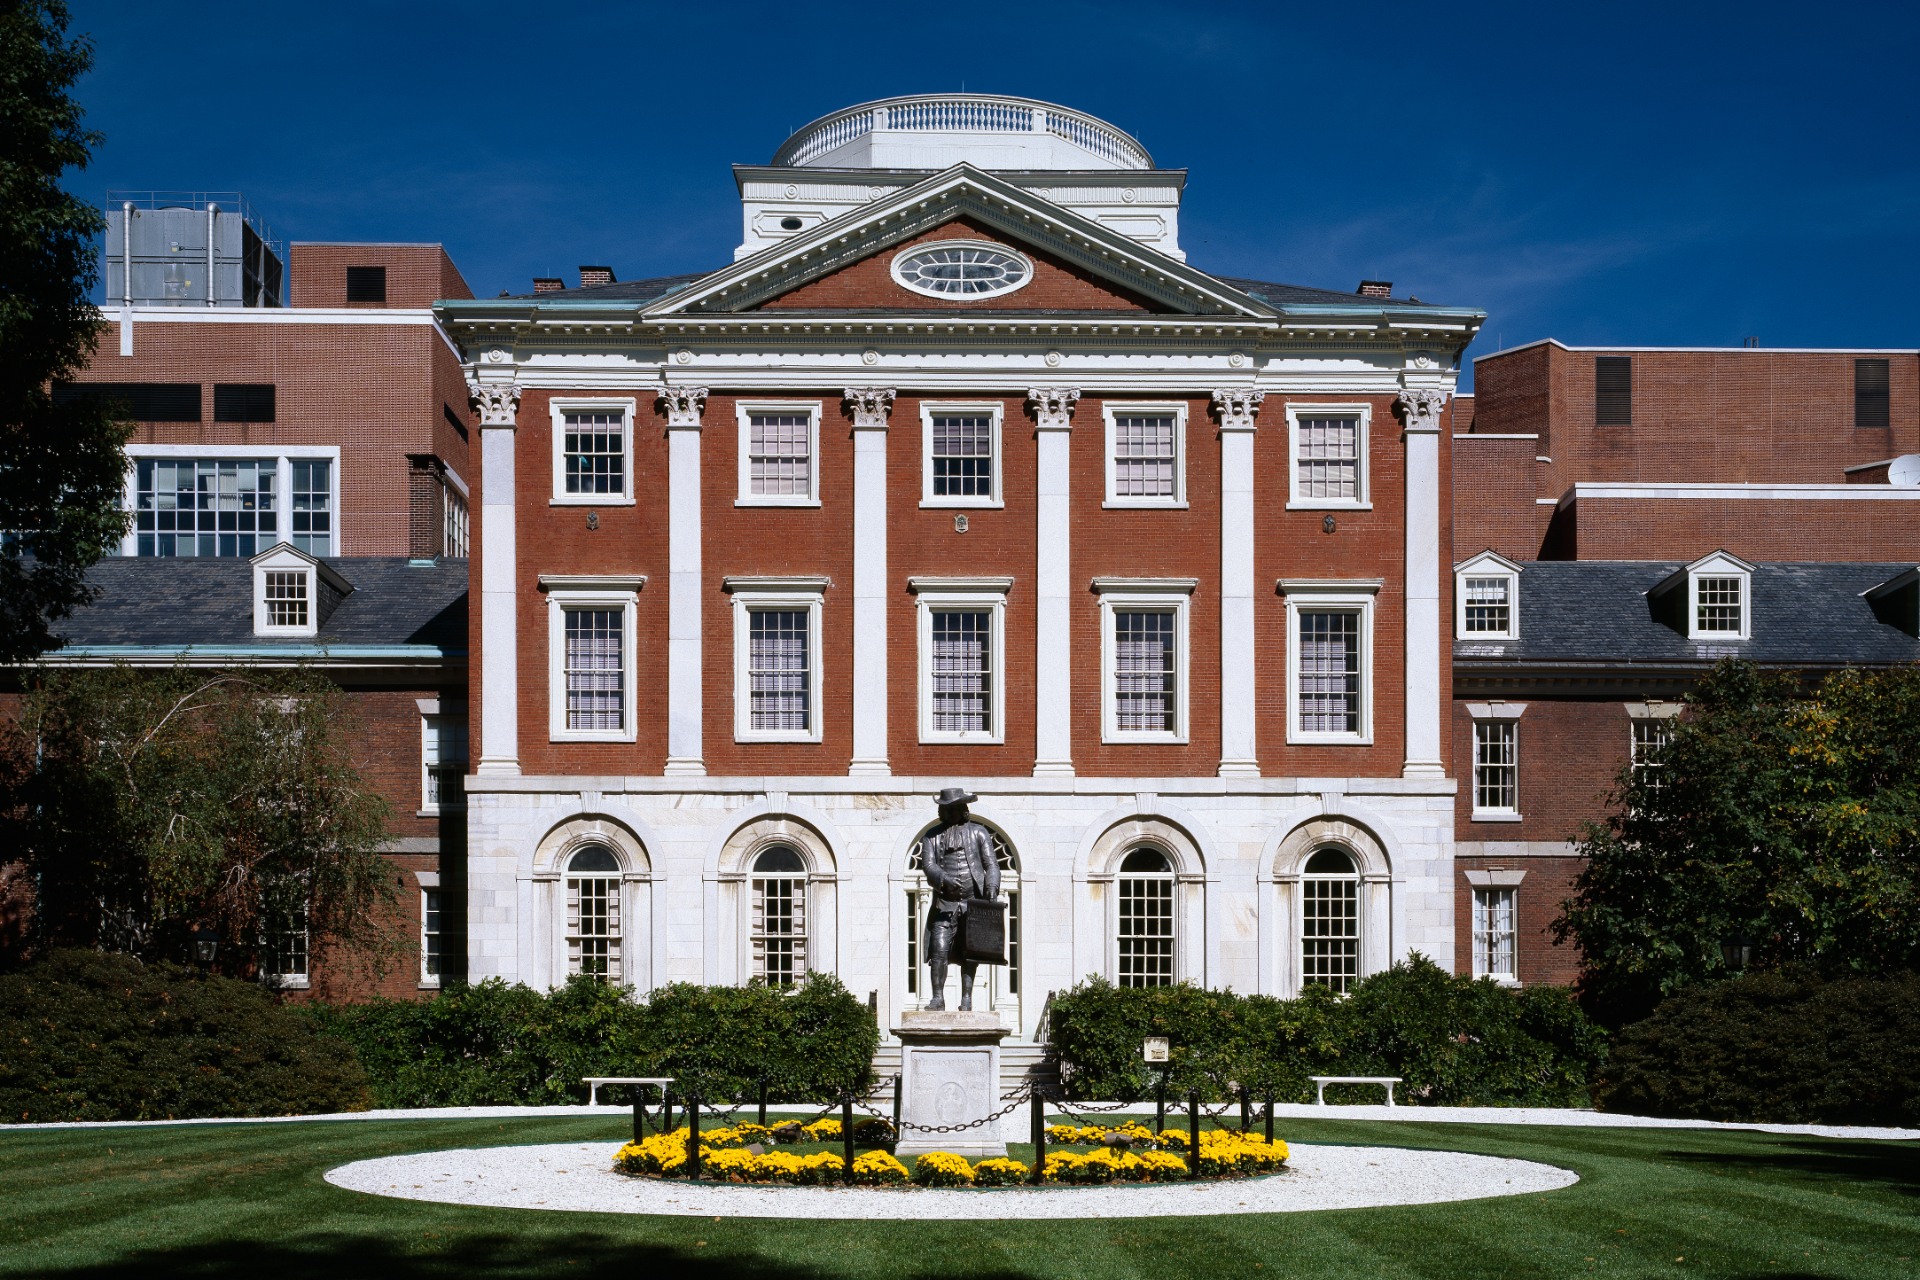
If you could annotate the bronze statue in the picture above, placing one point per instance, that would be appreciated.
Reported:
(957, 858)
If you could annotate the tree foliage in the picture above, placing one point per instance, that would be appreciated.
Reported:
(61, 465)
(1782, 812)
(147, 803)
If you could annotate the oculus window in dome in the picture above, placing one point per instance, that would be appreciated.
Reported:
(962, 269)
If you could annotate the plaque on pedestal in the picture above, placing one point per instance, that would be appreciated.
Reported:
(950, 1075)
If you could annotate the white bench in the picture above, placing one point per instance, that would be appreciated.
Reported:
(593, 1083)
(1321, 1083)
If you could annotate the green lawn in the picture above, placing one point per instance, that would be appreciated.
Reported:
(248, 1201)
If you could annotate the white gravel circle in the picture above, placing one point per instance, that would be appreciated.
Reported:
(578, 1177)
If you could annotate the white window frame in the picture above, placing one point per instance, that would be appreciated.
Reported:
(1330, 595)
(1164, 595)
(283, 557)
(427, 718)
(566, 592)
(973, 595)
(1719, 565)
(1363, 479)
(1487, 564)
(432, 979)
(931, 409)
(1177, 410)
(749, 596)
(1487, 713)
(1358, 879)
(744, 411)
(1176, 901)
(282, 456)
(1640, 712)
(1483, 905)
(557, 410)
(296, 981)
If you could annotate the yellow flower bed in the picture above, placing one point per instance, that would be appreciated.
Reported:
(878, 1169)
(942, 1169)
(822, 1130)
(999, 1173)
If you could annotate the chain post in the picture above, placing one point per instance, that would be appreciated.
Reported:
(639, 1112)
(846, 1131)
(1193, 1133)
(1269, 1115)
(1160, 1105)
(666, 1108)
(763, 1102)
(896, 1106)
(1246, 1110)
(1038, 1175)
(693, 1135)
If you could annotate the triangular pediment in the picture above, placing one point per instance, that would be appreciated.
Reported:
(1123, 273)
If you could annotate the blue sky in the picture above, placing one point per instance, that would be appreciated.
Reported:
(1644, 175)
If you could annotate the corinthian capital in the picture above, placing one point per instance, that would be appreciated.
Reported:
(1053, 406)
(1419, 409)
(1237, 407)
(497, 402)
(684, 405)
(871, 405)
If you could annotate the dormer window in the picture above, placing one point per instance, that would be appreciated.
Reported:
(293, 593)
(1487, 595)
(1710, 599)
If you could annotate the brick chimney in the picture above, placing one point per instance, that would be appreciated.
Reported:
(590, 276)
(548, 284)
(1375, 289)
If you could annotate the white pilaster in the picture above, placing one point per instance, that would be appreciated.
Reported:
(498, 404)
(685, 720)
(1419, 411)
(1053, 591)
(1238, 722)
(870, 408)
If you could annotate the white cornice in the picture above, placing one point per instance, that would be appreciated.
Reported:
(1741, 492)
(1717, 351)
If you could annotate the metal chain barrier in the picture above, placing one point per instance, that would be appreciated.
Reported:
(1025, 1095)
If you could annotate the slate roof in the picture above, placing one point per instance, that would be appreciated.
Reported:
(1588, 612)
(167, 602)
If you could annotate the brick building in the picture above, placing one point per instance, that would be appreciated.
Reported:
(959, 475)
(315, 423)
(1623, 519)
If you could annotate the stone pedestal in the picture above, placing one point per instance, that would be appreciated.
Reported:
(950, 1074)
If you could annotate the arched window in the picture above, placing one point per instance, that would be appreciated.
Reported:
(593, 914)
(1145, 941)
(1002, 982)
(779, 922)
(1330, 920)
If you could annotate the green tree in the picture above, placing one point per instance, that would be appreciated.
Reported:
(62, 466)
(149, 803)
(1781, 811)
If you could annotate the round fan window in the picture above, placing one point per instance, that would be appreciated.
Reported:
(961, 269)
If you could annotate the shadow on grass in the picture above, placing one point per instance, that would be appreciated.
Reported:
(469, 1256)
(1894, 1166)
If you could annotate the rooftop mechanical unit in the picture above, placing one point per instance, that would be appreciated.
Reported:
(164, 248)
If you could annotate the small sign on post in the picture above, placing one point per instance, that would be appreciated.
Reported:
(1154, 1049)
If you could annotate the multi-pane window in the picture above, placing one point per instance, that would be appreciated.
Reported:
(962, 671)
(313, 507)
(1718, 605)
(1496, 767)
(1329, 678)
(593, 914)
(1488, 605)
(1144, 685)
(1613, 391)
(594, 450)
(206, 507)
(1327, 459)
(286, 595)
(432, 957)
(1144, 945)
(595, 669)
(780, 454)
(779, 685)
(1330, 921)
(1143, 456)
(779, 926)
(962, 456)
(1872, 393)
(444, 761)
(285, 942)
(1493, 934)
(1650, 735)
(453, 539)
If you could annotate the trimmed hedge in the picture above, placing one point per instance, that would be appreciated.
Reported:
(1776, 1049)
(1454, 1041)
(494, 1044)
(93, 1036)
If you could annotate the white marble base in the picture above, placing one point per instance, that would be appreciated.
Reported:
(950, 1074)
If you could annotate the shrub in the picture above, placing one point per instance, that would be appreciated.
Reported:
(1775, 1048)
(942, 1169)
(494, 1044)
(92, 1036)
(1454, 1040)
(878, 1169)
(999, 1172)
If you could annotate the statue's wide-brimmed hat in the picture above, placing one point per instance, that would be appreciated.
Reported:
(954, 795)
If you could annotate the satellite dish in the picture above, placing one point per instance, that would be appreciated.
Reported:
(1904, 471)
